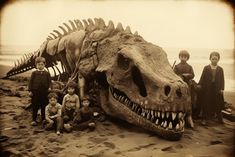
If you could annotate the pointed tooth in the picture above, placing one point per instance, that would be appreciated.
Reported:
(125, 101)
(177, 127)
(155, 113)
(162, 124)
(152, 113)
(122, 99)
(181, 124)
(165, 124)
(143, 114)
(167, 114)
(163, 115)
(173, 115)
(148, 116)
(157, 121)
(158, 114)
(133, 107)
(170, 125)
(180, 115)
(136, 108)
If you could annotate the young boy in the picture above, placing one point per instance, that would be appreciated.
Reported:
(185, 71)
(39, 83)
(53, 114)
(56, 87)
(85, 117)
(211, 84)
(70, 104)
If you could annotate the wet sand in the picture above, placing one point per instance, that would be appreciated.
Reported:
(111, 137)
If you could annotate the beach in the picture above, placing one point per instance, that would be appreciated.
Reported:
(110, 138)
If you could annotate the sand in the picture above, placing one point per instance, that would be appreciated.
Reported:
(110, 138)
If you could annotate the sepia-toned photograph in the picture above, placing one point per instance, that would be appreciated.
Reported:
(108, 78)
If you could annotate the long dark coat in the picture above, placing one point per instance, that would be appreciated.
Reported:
(210, 97)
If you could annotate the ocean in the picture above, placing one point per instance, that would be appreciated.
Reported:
(198, 59)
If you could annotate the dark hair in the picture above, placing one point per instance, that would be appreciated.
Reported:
(56, 83)
(184, 53)
(40, 59)
(52, 95)
(72, 84)
(214, 53)
(85, 97)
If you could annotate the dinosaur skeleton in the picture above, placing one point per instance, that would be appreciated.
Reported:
(137, 83)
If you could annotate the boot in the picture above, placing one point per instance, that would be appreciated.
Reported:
(220, 118)
(190, 121)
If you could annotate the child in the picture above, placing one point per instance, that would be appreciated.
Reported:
(70, 104)
(212, 85)
(85, 117)
(56, 87)
(39, 83)
(185, 71)
(53, 114)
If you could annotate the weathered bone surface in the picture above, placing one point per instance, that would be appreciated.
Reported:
(137, 82)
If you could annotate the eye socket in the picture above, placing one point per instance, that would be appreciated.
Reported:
(123, 63)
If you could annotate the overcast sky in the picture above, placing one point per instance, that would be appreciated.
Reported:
(187, 24)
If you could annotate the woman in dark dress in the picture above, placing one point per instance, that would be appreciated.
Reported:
(212, 87)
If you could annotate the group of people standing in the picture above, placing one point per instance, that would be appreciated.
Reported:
(210, 100)
(66, 113)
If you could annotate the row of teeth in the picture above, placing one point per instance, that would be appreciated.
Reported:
(166, 120)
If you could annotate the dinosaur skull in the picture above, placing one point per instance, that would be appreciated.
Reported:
(144, 90)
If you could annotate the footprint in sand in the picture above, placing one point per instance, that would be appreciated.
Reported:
(121, 136)
(172, 149)
(169, 149)
(214, 142)
(109, 145)
(97, 139)
(141, 147)
(30, 146)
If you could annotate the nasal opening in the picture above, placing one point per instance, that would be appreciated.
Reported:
(179, 93)
(138, 80)
(167, 90)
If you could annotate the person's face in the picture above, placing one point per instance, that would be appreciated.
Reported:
(53, 101)
(40, 65)
(214, 60)
(71, 90)
(183, 58)
(55, 86)
(86, 103)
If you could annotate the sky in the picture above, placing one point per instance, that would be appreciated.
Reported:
(186, 24)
